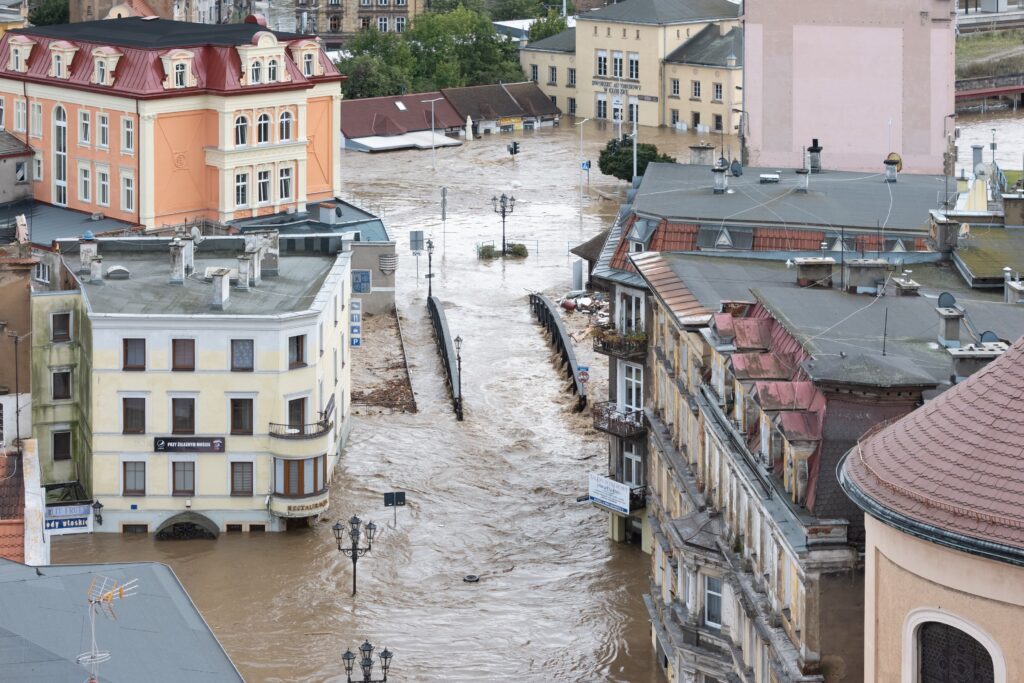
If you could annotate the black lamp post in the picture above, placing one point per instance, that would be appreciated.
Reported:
(458, 360)
(366, 663)
(96, 507)
(430, 271)
(355, 552)
(505, 205)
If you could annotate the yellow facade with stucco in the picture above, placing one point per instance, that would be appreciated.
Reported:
(701, 105)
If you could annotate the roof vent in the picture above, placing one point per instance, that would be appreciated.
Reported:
(118, 273)
(768, 178)
(815, 153)
(721, 179)
(891, 170)
(803, 176)
(98, 216)
(1013, 288)
(905, 286)
(814, 271)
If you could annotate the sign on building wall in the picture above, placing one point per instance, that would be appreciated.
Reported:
(609, 493)
(355, 322)
(68, 519)
(188, 444)
(361, 282)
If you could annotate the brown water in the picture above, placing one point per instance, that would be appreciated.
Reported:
(494, 495)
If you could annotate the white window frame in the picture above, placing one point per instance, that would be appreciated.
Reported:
(717, 91)
(128, 191)
(20, 115)
(101, 71)
(399, 23)
(241, 189)
(290, 118)
(263, 190)
(674, 90)
(263, 125)
(617, 61)
(241, 130)
(307, 65)
(634, 66)
(272, 71)
(102, 185)
(911, 660)
(382, 24)
(285, 175)
(571, 77)
(41, 272)
(632, 465)
(694, 90)
(180, 75)
(255, 72)
(3, 112)
(84, 127)
(35, 123)
(709, 592)
(37, 167)
(85, 182)
(631, 376)
(102, 130)
(127, 135)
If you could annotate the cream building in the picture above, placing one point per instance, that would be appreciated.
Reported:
(944, 504)
(619, 57)
(703, 87)
(218, 380)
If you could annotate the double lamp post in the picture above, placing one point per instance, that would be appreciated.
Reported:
(354, 551)
(505, 206)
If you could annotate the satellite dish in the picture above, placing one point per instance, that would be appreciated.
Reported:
(736, 168)
(947, 300)
(197, 236)
(988, 336)
(337, 211)
(893, 156)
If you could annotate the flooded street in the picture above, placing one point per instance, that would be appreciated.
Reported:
(494, 495)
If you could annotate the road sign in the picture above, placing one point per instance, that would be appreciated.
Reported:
(355, 319)
(395, 499)
(415, 240)
(583, 372)
(585, 165)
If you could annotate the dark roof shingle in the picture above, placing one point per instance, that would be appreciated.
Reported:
(710, 48)
(663, 11)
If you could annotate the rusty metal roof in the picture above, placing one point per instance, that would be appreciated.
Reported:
(784, 395)
(760, 366)
(395, 115)
(667, 286)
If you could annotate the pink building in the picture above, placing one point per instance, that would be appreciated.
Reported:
(866, 78)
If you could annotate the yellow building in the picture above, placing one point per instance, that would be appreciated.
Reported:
(10, 20)
(218, 380)
(703, 88)
(618, 58)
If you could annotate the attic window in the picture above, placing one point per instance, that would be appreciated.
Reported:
(17, 58)
(178, 69)
(61, 54)
(104, 63)
(636, 247)
(400, 105)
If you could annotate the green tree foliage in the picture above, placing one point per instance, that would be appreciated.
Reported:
(616, 158)
(380, 64)
(552, 24)
(445, 6)
(49, 12)
(506, 10)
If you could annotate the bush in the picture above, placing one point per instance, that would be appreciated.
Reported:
(517, 250)
(486, 251)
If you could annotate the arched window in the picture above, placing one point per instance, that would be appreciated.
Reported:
(263, 129)
(949, 655)
(286, 126)
(256, 72)
(272, 71)
(307, 64)
(179, 75)
(241, 131)
(60, 156)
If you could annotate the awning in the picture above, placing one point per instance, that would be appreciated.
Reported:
(417, 139)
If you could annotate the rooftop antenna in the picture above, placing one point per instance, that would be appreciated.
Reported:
(885, 329)
(102, 593)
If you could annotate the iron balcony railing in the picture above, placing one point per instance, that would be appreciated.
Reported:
(622, 422)
(621, 344)
(297, 431)
(637, 498)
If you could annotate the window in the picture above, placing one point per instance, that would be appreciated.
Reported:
(133, 415)
(134, 479)
(135, 528)
(300, 477)
(16, 59)
(602, 63)
(297, 413)
(297, 351)
(62, 445)
(335, 22)
(183, 354)
(241, 416)
(616, 65)
(134, 354)
(241, 355)
(632, 465)
(127, 135)
(183, 416)
(285, 183)
(36, 122)
(263, 187)
(255, 72)
(634, 65)
(272, 71)
(949, 655)
(694, 119)
(572, 77)
(37, 163)
(241, 479)
(286, 126)
(675, 87)
(60, 327)
(572, 106)
(400, 21)
(634, 109)
(101, 72)
(713, 601)
(85, 184)
(364, 22)
(61, 385)
(632, 387)
(382, 24)
(127, 191)
(19, 116)
(241, 189)
(263, 129)
(102, 187)
(180, 79)
(675, 116)
(58, 66)
(60, 156)
(2, 111)
(307, 60)
(718, 122)
(241, 131)
(84, 121)
(602, 109)
(552, 75)
(554, 100)
(694, 90)
(41, 272)
(717, 90)
(103, 126)
(20, 171)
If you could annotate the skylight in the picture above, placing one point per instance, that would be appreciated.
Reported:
(401, 107)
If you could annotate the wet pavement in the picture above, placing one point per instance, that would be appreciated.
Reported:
(494, 495)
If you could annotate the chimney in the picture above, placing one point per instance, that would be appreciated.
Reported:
(803, 178)
(255, 266)
(221, 288)
(976, 156)
(244, 262)
(814, 271)
(177, 263)
(865, 275)
(973, 357)
(702, 154)
(88, 247)
(1013, 288)
(96, 271)
(721, 179)
(906, 286)
(949, 325)
(815, 151)
(188, 252)
(329, 213)
(890, 170)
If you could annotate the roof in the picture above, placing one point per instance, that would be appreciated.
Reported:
(663, 11)
(683, 192)
(352, 219)
(591, 249)
(12, 493)
(385, 116)
(709, 47)
(11, 146)
(560, 42)
(508, 100)
(44, 626)
(982, 255)
(670, 289)
(956, 464)
(531, 99)
(47, 223)
(153, 34)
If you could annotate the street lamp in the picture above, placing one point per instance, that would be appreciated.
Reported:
(96, 507)
(504, 206)
(993, 146)
(433, 153)
(430, 272)
(366, 663)
(580, 124)
(355, 552)
(458, 361)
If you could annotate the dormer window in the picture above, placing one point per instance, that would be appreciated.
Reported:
(61, 54)
(272, 71)
(307, 65)
(180, 75)
(58, 66)
(16, 61)
(305, 55)
(17, 57)
(178, 69)
(259, 60)
(256, 72)
(636, 247)
(104, 63)
(101, 71)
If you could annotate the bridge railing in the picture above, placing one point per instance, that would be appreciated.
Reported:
(446, 347)
(547, 314)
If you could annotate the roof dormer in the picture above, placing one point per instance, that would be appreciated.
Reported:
(61, 54)
(104, 61)
(178, 69)
(17, 55)
(306, 53)
(262, 60)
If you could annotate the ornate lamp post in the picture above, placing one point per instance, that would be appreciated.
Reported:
(366, 663)
(355, 552)
(505, 205)
(96, 507)
(458, 360)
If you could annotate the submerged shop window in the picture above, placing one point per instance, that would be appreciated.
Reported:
(300, 477)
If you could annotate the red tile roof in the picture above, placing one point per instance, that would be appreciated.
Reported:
(368, 116)
(12, 539)
(668, 287)
(784, 239)
(666, 237)
(956, 463)
(12, 494)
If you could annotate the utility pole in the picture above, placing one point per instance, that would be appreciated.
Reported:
(634, 138)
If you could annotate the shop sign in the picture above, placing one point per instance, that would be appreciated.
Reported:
(189, 444)
(68, 519)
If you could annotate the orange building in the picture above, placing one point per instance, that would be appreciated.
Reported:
(158, 122)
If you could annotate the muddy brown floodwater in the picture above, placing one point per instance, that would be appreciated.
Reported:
(494, 495)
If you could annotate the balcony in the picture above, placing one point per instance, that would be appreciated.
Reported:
(613, 495)
(611, 342)
(637, 498)
(300, 431)
(621, 422)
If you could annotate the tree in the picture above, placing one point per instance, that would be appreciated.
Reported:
(507, 10)
(49, 12)
(380, 64)
(552, 24)
(445, 6)
(616, 158)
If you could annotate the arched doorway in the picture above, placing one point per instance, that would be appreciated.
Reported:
(187, 525)
(949, 655)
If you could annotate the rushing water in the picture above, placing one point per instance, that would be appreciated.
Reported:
(494, 495)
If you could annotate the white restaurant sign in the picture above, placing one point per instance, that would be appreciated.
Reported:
(68, 519)
(609, 493)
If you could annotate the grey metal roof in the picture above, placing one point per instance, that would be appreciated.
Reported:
(153, 34)
(683, 193)
(158, 636)
(663, 11)
(47, 223)
(11, 146)
(560, 42)
(710, 48)
(352, 219)
(603, 269)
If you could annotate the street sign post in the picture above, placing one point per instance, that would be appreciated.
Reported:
(395, 499)
(583, 372)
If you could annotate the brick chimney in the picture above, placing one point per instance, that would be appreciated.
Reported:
(221, 288)
(814, 271)
(244, 264)
(177, 262)
(949, 325)
(96, 270)
(88, 247)
(188, 253)
(967, 360)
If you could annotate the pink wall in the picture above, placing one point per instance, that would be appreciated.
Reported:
(840, 72)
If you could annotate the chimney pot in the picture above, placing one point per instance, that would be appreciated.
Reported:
(890, 170)
(96, 271)
(721, 180)
(177, 262)
(815, 155)
(221, 288)
(949, 326)
(244, 262)
(88, 248)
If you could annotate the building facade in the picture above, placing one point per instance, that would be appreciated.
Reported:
(157, 122)
(222, 370)
(16, 269)
(808, 67)
(335, 21)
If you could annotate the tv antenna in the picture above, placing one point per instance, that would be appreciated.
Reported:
(102, 593)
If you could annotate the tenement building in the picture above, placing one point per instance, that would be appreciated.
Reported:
(194, 383)
(941, 492)
(761, 378)
(156, 122)
(335, 21)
